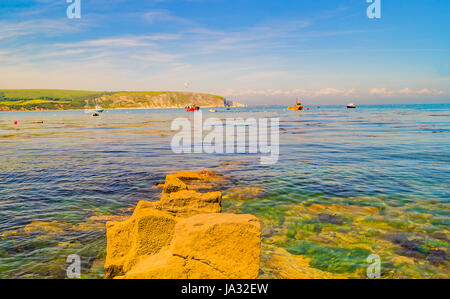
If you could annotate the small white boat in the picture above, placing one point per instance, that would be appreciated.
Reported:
(212, 110)
(351, 106)
(97, 109)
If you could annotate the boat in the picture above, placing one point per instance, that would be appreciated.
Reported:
(298, 106)
(192, 108)
(212, 110)
(97, 109)
(351, 106)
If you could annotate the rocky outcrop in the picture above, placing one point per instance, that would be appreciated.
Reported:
(180, 197)
(206, 246)
(144, 233)
(184, 235)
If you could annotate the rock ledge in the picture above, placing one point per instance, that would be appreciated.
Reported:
(184, 235)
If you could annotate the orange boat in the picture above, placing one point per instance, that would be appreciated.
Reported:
(297, 107)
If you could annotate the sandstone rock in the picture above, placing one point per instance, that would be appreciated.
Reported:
(158, 186)
(188, 202)
(144, 233)
(227, 243)
(207, 246)
(159, 266)
(173, 184)
(183, 235)
(200, 185)
(190, 180)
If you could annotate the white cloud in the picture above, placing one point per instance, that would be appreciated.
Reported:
(41, 27)
(405, 91)
(294, 92)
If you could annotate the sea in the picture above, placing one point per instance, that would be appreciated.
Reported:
(350, 187)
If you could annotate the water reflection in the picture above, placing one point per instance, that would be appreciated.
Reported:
(348, 183)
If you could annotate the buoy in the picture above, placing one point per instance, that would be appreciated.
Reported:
(15, 122)
(307, 108)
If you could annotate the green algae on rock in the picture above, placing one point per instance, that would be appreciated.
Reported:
(327, 258)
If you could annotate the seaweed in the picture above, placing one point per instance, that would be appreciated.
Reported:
(327, 258)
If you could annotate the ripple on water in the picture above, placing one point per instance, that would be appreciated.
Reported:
(346, 184)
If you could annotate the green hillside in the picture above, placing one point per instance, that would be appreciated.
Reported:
(54, 99)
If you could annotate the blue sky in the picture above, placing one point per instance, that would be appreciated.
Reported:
(270, 52)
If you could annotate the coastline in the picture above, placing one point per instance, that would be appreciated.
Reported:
(106, 109)
(55, 100)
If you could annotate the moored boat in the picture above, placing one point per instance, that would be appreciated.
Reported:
(97, 109)
(298, 106)
(192, 108)
(351, 106)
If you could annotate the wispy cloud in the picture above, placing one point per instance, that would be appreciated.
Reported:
(163, 15)
(329, 91)
(405, 91)
(327, 52)
(40, 27)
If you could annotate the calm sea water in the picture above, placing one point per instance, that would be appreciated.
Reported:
(348, 183)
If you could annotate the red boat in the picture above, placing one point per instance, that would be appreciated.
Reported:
(192, 108)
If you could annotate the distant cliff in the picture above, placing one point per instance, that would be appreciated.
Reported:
(46, 99)
(158, 100)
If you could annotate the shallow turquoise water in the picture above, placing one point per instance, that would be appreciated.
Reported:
(392, 158)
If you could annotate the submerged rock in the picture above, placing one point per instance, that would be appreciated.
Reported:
(191, 180)
(345, 210)
(50, 227)
(289, 266)
(108, 218)
(327, 218)
(233, 163)
(183, 236)
(398, 260)
(243, 192)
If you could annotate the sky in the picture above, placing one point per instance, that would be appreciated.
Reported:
(254, 51)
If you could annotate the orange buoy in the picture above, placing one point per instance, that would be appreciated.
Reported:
(307, 108)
